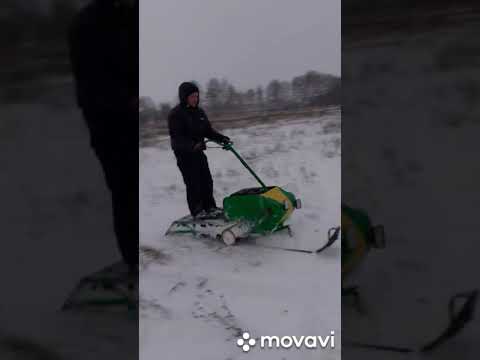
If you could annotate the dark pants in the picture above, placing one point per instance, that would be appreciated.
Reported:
(198, 181)
(117, 152)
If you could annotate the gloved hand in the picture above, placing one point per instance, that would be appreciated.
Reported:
(200, 146)
(225, 140)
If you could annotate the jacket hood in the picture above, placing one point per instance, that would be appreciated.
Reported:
(185, 89)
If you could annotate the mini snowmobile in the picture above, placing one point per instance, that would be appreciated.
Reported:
(258, 210)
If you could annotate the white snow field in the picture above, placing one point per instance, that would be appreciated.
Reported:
(197, 295)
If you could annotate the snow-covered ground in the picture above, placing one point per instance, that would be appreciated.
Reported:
(197, 295)
(55, 227)
(415, 97)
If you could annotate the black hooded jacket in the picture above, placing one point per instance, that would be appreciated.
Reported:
(189, 125)
(103, 44)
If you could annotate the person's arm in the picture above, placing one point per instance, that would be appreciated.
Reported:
(212, 134)
(180, 142)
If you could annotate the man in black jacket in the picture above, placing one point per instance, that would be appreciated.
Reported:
(189, 126)
(103, 43)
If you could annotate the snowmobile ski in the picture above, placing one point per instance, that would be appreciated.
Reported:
(332, 237)
(303, 251)
(111, 287)
(457, 322)
(217, 227)
(333, 234)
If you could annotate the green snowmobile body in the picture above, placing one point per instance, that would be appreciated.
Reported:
(265, 208)
(359, 236)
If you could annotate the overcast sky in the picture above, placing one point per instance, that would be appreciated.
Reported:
(249, 42)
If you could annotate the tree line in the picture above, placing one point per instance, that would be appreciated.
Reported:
(312, 89)
(23, 24)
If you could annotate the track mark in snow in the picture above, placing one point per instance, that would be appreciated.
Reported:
(177, 286)
(213, 308)
(149, 255)
(150, 307)
(202, 281)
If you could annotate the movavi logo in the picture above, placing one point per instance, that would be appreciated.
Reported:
(246, 342)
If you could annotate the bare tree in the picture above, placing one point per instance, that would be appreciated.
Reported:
(259, 98)
(249, 98)
(273, 90)
(146, 110)
(213, 93)
(164, 109)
